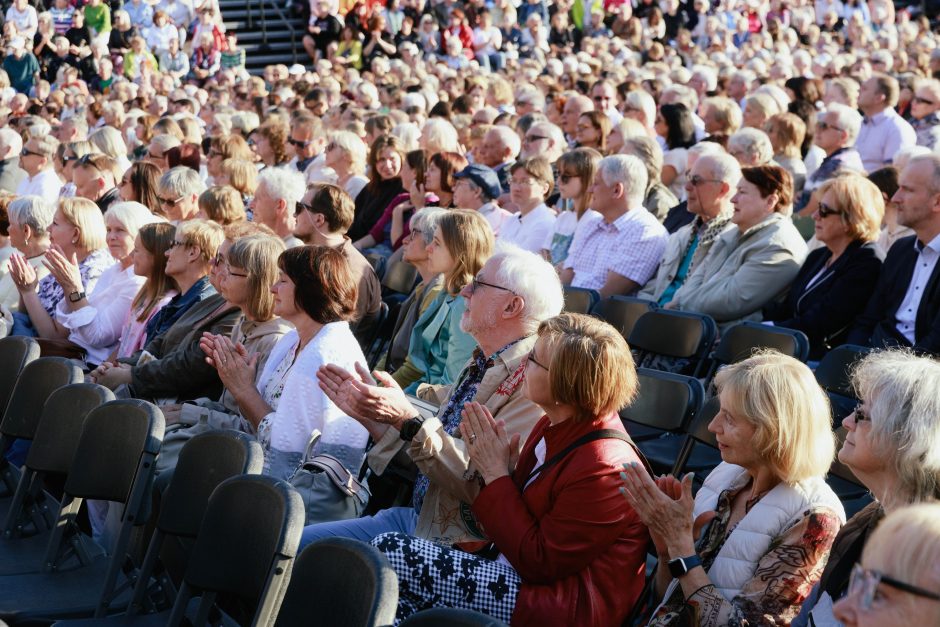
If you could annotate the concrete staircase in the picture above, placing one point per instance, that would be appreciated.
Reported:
(268, 31)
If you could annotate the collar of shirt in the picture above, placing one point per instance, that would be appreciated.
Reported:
(878, 118)
(490, 207)
(540, 209)
(621, 222)
(933, 245)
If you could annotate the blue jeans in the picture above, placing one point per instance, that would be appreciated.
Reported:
(22, 325)
(403, 519)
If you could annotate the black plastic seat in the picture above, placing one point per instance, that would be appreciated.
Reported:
(834, 374)
(674, 334)
(580, 300)
(341, 582)
(696, 449)
(622, 312)
(400, 277)
(114, 461)
(665, 402)
(743, 339)
(15, 353)
(439, 616)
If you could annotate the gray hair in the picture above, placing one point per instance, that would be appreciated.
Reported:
(164, 142)
(649, 152)
(639, 100)
(533, 279)
(723, 167)
(12, 140)
(754, 143)
(132, 215)
(508, 138)
(528, 93)
(555, 134)
(900, 390)
(425, 220)
(847, 118)
(283, 184)
(32, 211)
(354, 147)
(934, 160)
(182, 181)
(109, 141)
(408, 134)
(707, 148)
(628, 171)
(46, 144)
(440, 136)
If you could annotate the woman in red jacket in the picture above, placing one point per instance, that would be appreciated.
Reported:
(569, 551)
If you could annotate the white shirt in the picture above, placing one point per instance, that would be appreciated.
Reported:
(495, 215)
(97, 327)
(907, 311)
(881, 137)
(27, 22)
(528, 231)
(45, 184)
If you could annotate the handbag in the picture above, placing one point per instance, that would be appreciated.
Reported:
(329, 491)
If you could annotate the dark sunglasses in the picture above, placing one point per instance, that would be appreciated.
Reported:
(298, 143)
(861, 415)
(924, 101)
(825, 211)
(301, 206)
(26, 152)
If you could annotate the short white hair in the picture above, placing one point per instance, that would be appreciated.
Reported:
(706, 148)
(904, 156)
(533, 279)
(708, 74)
(12, 140)
(627, 170)
(132, 215)
(285, 184)
(778, 94)
(509, 138)
(352, 145)
(753, 142)
(32, 211)
(723, 167)
(245, 121)
(164, 141)
(847, 118)
(414, 99)
(555, 134)
(408, 134)
(109, 141)
(440, 136)
(530, 94)
(182, 181)
(643, 102)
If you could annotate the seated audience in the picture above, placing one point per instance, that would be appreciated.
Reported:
(221, 204)
(30, 218)
(884, 133)
(275, 201)
(562, 539)
(139, 184)
(384, 166)
(836, 131)
(36, 159)
(95, 177)
(768, 517)
(576, 171)
(477, 187)
(178, 194)
(346, 156)
(390, 230)
(530, 183)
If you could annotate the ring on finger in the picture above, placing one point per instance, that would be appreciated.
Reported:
(473, 438)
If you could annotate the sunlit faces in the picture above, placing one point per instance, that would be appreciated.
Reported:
(119, 240)
(62, 232)
(440, 260)
(143, 258)
(537, 382)
(750, 209)
(388, 163)
(284, 290)
(735, 436)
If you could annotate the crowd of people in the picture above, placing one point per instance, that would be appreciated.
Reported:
(213, 242)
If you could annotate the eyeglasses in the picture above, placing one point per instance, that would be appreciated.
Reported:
(475, 283)
(861, 415)
(301, 206)
(150, 155)
(227, 269)
(602, 98)
(26, 152)
(522, 181)
(214, 153)
(924, 101)
(695, 180)
(170, 201)
(863, 583)
(534, 138)
(68, 159)
(531, 357)
(825, 211)
(298, 143)
(217, 260)
(823, 125)
(176, 243)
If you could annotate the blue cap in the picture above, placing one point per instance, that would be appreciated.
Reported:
(485, 178)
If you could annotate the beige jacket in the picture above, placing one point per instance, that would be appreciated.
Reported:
(445, 516)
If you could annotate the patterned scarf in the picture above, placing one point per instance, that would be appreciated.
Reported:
(712, 230)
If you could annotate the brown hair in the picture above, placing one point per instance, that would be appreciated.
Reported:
(231, 146)
(538, 168)
(771, 179)
(601, 124)
(157, 238)
(324, 285)
(336, 206)
(222, 204)
(381, 143)
(469, 239)
(449, 163)
(580, 163)
(242, 175)
(258, 256)
(276, 132)
(791, 130)
(186, 155)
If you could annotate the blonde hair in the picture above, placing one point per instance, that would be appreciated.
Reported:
(85, 215)
(258, 255)
(906, 545)
(469, 240)
(591, 367)
(860, 202)
(222, 204)
(779, 396)
(242, 175)
(355, 149)
(205, 235)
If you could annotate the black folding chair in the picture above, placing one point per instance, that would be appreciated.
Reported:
(743, 339)
(677, 453)
(622, 312)
(114, 461)
(15, 353)
(400, 277)
(451, 617)
(341, 582)
(834, 375)
(665, 403)
(679, 335)
(579, 299)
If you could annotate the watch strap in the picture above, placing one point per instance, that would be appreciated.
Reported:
(76, 296)
(682, 565)
(410, 428)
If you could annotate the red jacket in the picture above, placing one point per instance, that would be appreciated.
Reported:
(575, 542)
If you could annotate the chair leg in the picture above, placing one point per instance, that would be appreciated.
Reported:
(13, 526)
(62, 533)
(146, 570)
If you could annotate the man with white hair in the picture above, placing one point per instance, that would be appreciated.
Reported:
(836, 130)
(11, 174)
(679, 215)
(73, 128)
(498, 151)
(618, 251)
(544, 139)
(507, 300)
(275, 202)
(710, 185)
(178, 192)
(883, 131)
(574, 107)
(41, 179)
(751, 147)
(924, 117)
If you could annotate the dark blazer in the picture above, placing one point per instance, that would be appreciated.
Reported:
(678, 217)
(826, 310)
(877, 326)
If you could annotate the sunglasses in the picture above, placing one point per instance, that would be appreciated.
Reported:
(26, 152)
(176, 243)
(170, 201)
(300, 207)
(298, 143)
(924, 101)
(863, 583)
(861, 415)
(823, 125)
(825, 211)
(535, 138)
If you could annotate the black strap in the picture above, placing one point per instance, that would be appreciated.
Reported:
(599, 434)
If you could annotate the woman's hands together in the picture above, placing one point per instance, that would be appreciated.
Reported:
(492, 451)
(64, 270)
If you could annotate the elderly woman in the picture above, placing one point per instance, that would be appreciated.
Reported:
(769, 517)
(316, 293)
(893, 447)
(896, 582)
(461, 244)
(837, 280)
(29, 218)
(751, 147)
(659, 199)
(747, 267)
(787, 132)
(78, 238)
(385, 159)
(346, 155)
(562, 538)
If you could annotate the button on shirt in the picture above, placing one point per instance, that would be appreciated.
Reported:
(906, 315)
(631, 246)
(882, 136)
(528, 231)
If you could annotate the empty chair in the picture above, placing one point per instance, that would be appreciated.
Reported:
(665, 402)
(622, 312)
(243, 553)
(114, 461)
(740, 341)
(15, 353)
(679, 335)
(579, 299)
(451, 617)
(834, 375)
(680, 453)
(36, 382)
(339, 581)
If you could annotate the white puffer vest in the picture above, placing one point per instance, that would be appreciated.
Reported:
(775, 513)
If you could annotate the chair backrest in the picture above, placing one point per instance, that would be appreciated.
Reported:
(579, 299)
(400, 276)
(245, 548)
(697, 433)
(377, 262)
(15, 353)
(622, 312)
(665, 401)
(834, 372)
(341, 582)
(679, 334)
(115, 438)
(38, 380)
(451, 617)
(60, 427)
(741, 340)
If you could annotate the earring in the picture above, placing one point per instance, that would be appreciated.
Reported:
(74, 241)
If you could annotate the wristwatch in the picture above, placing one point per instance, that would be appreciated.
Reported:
(682, 565)
(410, 428)
(74, 297)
